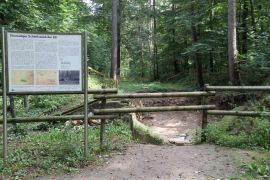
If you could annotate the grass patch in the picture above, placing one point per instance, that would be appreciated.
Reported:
(153, 87)
(259, 168)
(144, 135)
(250, 133)
(242, 132)
(60, 150)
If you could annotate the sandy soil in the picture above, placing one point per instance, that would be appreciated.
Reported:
(167, 162)
(170, 125)
(149, 162)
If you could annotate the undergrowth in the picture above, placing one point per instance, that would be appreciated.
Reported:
(247, 133)
(153, 87)
(251, 133)
(60, 150)
(144, 135)
(259, 168)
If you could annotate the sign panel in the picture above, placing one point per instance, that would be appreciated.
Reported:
(44, 62)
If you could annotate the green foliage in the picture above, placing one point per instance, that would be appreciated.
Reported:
(258, 168)
(60, 150)
(242, 132)
(99, 53)
(48, 102)
(144, 135)
(153, 87)
(176, 47)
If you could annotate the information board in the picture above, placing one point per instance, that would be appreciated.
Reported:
(44, 62)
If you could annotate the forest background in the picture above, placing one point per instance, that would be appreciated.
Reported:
(165, 40)
(149, 45)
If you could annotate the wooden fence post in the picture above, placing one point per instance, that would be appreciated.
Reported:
(131, 125)
(204, 117)
(103, 122)
(12, 106)
(26, 102)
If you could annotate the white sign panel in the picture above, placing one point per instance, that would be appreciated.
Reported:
(44, 62)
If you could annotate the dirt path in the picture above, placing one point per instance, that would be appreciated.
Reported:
(171, 126)
(149, 162)
(168, 162)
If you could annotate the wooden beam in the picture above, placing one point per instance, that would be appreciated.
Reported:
(155, 95)
(238, 113)
(237, 88)
(90, 91)
(153, 109)
(55, 118)
(102, 91)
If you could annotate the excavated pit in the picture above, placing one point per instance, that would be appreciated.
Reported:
(177, 127)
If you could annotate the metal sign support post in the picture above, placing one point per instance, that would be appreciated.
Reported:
(4, 95)
(85, 97)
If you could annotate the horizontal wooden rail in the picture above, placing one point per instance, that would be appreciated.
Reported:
(90, 91)
(102, 91)
(238, 113)
(156, 95)
(153, 109)
(237, 88)
(56, 118)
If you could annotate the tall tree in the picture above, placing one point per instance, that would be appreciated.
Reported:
(245, 27)
(155, 49)
(175, 59)
(232, 43)
(114, 39)
(119, 37)
(253, 15)
(195, 34)
(211, 55)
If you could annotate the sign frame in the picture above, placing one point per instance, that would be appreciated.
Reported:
(5, 84)
(45, 92)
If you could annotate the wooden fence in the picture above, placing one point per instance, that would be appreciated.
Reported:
(237, 89)
(103, 113)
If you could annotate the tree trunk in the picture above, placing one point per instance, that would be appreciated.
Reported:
(150, 37)
(211, 56)
(244, 28)
(114, 40)
(211, 61)
(253, 15)
(26, 101)
(155, 60)
(175, 60)
(197, 59)
(142, 61)
(119, 38)
(140, 43)
(232, 44)
(155, 42)
(12, 106)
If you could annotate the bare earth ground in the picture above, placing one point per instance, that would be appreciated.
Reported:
(171, 125)
(151, 162)
(168, 162)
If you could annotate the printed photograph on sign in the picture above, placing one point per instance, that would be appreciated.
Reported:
(22, 77)
(46, 77)
(44, 62)
(69, 77)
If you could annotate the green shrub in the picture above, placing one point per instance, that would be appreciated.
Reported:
(242, 132)
(59, 150)
(259, 168)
